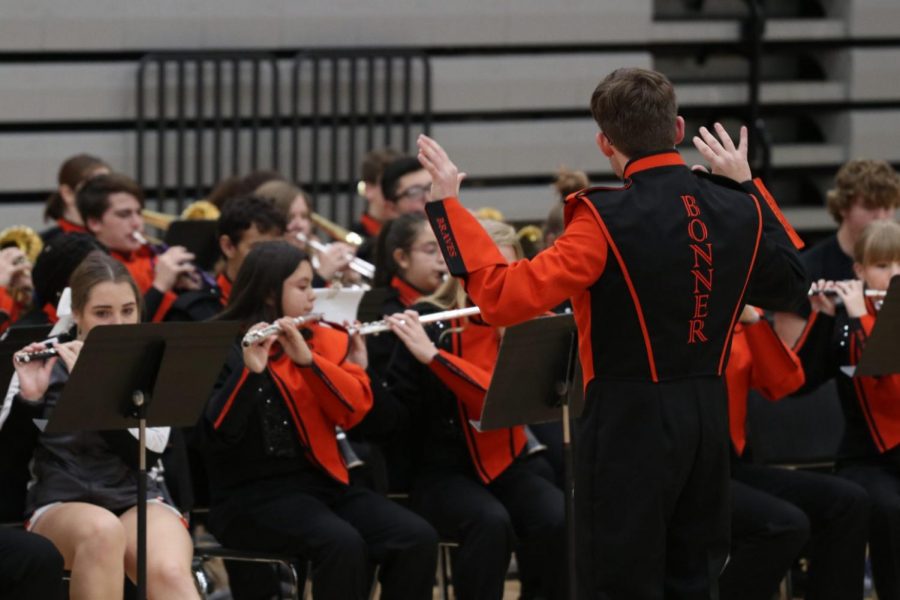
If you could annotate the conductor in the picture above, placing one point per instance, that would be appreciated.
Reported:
(658, 271)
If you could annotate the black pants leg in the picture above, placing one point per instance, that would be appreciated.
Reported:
(536, 507)
(882, 482)
(402, 542)
(340, 532)
(465, 511)
(838, 514)
(30, 567)
(652, 490)
(767, 534)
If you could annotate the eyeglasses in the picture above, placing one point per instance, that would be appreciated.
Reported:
(414, 192)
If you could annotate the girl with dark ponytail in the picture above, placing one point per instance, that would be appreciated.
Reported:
(60, 206)
(277, 479)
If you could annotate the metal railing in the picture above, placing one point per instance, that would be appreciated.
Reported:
(205, 116)
(204, 120)
(345, 103)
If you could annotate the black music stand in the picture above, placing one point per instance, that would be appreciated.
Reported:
(371, 307)
(152, 374)
(881, 355)
(199, 236)
(537, 379)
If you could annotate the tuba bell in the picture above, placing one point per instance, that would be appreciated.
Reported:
(199, 210)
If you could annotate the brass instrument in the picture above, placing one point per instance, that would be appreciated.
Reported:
(490, 213)
(334, 230)
(364, 268)
(24, 238)
(195, 211)
(30, 243)
(530, 233)
(253, 337)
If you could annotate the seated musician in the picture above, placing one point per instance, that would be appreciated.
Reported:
(477, 488)
(111, 208)
(83, 493)
(277, 480)
(377, 211)
(16, 286)
(295, 205)
(244, 223)
(835, 337)
(776, 513)
(60, 206)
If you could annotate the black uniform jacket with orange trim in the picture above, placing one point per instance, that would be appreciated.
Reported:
(761, 361)
(658, 269)
(444, 396)
(284, 405)
(871, 405)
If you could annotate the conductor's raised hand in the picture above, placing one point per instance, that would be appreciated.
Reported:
(445, 177)
(293, 343)
(256, 356)
(722, 155)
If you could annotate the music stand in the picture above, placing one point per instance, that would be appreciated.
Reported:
(881, 355)
(371, 307)
(199, 236)
(151, 374)
(537, 379)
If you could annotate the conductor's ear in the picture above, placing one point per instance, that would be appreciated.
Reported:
(604, 144)
(679, 129)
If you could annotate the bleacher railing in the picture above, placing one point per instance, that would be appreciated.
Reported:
(205, 116)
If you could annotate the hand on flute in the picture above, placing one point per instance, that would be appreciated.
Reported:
(723, 157)
(293, 343)
(34, 376)
(358, 353)
(407, 327)
(256, 356)
(445, 177)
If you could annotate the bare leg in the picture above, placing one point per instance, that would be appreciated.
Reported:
(169, 554)
(92, 542)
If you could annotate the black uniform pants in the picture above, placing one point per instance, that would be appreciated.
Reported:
(521, 508)
(881, 479)
(651, 490)
(30, 567)
(342, 530)
(774, 511)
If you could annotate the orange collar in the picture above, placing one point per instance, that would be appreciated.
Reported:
(224, 287)
(370, 225)
(406, 293)
(667, 158)
(70, 227)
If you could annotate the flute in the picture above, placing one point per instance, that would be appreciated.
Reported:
(364, 268)
(27, 357)
(833, 293)
(381, 326)
(252, 337)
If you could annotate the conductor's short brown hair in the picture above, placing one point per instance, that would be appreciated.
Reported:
(872, 183)
(636, 110)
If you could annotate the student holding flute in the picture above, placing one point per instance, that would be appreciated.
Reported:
(835, 337)
(478, 488)
(83, 488)
(277, 480)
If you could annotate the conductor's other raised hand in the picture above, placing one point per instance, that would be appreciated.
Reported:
(445, 177)
(722, 155)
